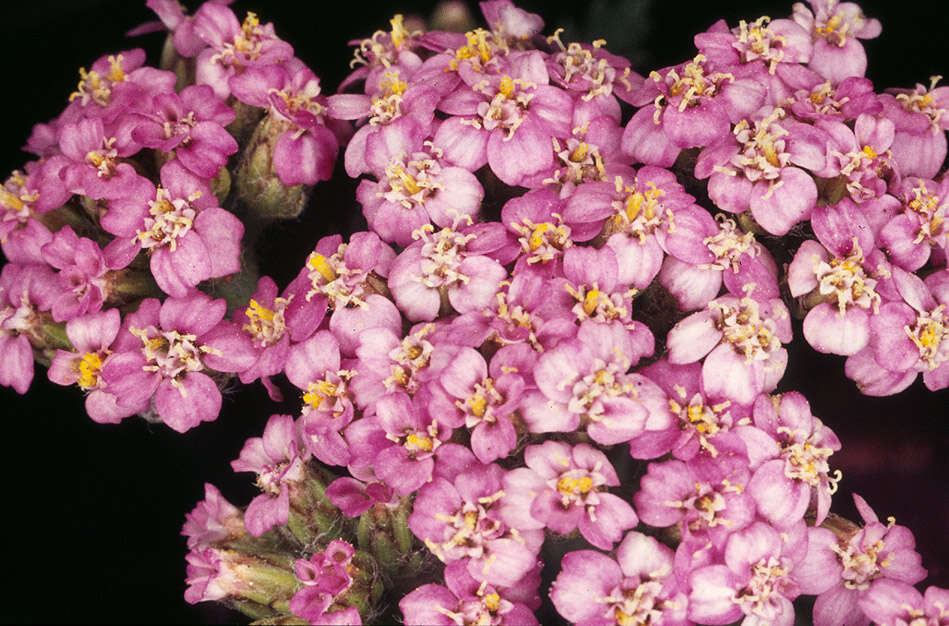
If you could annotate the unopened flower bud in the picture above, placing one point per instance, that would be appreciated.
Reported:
(258, 186)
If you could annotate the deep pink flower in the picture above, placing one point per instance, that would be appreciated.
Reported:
(643, 216)
(189, 238)
(343, 278)
(875, 552)
(415, 188)
(437, 267)
(835, 27)
(83, 274)
(232, 46)
(192, 124)
(305, 150)
(355, 496)
(907, 337)
(705, 496)
(24, 197)
(264, 321)
(919, 145)
(463, 599)
(741, 341)
(315, 367)
(95, 169)
(485, 404)
(564, 488)
(326, 577)
(116, 85)
(594, 76)
(693, 106)
(845, 278)
(583, 384)
(762, 166)
(788, 450)
(920, 229)
(384, 49)
(397, 106)
(163, 353)
(895, 602)
(636, 587)
(698, 420)
(212, 520)
(846, 100)
(535, 220)
(590, 154)
(279, 459)
(757, 580)
(770, 52)
(25, 292)
(511, 117)
(399, 441)
(460, 519)
(388, 361)
(736, 260)
(860, 156)
(91, 336)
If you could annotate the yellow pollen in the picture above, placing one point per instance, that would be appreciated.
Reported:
(580, 153)
(250, 23)
(409, 183)
(318, 392)
(319, 263)
(257, 312)
(116, 73)
(392, 85)
(537, 235)
(506, 88)
(492, 602)
(590, 301)
(399, 34)
(89, 367)
(422, 442)
(477, 403)
(10, 200)
(95, 158)
(568, 485)
(870, 152)
(471, 520)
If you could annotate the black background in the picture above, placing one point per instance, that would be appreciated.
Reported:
(92, 513)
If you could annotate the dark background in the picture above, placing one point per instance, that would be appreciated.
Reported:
(92, 513)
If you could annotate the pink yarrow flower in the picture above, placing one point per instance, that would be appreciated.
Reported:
(460, 519)
(192, 125)
(233, 46)
(564, 488)
(876, 552)
(761, 168)
(163, 354)
(740, 340)
(788, 449)
(463, 599)
(638, 586)
(188, 237)
(212, 520)
(326, 577)
(835, 28)
(278, 458)
(91, 336)
(305, 150)
(26, 292)
(845, 276)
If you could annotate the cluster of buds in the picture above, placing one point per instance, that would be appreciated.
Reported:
(554, 349)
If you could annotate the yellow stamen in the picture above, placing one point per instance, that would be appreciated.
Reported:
(89, 367)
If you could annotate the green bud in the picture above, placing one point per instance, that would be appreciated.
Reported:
(259, 189)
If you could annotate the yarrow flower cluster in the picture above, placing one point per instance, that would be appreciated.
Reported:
(556, 349)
